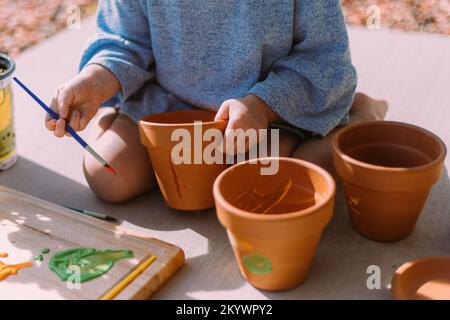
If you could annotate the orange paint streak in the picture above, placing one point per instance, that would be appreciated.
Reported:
(110, 169)
(280, 195)
(7, 270)
(261, 202)
(175, 177)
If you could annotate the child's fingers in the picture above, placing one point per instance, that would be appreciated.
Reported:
(231, 137)
(237, 137)
(63, 101)
(84, 120)
(53, 124)
(60, 128)
(230, 143)
(75, 121)
(225, 143)
(49, 124)
(223, 112)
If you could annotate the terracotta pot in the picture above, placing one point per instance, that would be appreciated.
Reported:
(274, 243)
(185, 186)
(387, 169)
(424, 279)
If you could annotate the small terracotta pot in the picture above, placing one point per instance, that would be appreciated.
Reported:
(387, 169)
(423, 279)
(274, 222)
(185, 186)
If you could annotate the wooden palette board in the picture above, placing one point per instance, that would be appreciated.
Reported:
(29, 224)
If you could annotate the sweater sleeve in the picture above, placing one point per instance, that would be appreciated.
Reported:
(312, 88)
(122, 44)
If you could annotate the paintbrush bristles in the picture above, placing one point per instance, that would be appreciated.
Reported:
(109, 168)
(100, 159)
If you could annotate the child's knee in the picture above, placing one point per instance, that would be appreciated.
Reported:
(106, 186)
(365, 108)
(317, 151)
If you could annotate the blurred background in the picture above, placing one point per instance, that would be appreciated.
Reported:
(23, 23)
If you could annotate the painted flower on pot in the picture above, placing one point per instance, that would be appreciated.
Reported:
(257, 264)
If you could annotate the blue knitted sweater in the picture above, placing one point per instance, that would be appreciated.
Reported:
(175, 54)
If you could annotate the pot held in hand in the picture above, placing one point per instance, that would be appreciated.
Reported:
(185, 183)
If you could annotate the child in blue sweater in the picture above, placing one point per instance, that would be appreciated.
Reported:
(256, 62)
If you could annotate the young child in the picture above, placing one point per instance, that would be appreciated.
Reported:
(257, 62)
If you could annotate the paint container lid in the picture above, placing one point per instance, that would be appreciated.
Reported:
(424, 279)
(7, 66)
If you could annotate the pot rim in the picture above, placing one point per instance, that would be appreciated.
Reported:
(440, 158)
(146, 123)
(279, 216)
(397, 286)
(10, 66)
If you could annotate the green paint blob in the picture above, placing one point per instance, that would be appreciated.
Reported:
(39, 257)
(45, 250)
(92, 263)
(257, 264)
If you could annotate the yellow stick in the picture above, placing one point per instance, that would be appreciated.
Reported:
(128, 279)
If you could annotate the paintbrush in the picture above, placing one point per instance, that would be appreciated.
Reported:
(91, 213)
(69, 129)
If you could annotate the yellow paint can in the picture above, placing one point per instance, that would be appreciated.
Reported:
(8, 156)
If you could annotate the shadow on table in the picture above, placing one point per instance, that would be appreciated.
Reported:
(31, 178)
(344, 260)
(147, 212)
(341, 268)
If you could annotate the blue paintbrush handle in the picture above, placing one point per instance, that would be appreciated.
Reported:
(75, 135)
(52, 113)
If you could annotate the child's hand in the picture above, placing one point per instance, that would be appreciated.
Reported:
(78, 100)
(249, 112)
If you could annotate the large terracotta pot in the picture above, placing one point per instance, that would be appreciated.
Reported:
(387, 169)
(274, 222)
(185, 186)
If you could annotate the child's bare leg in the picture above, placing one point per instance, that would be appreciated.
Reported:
(103, 120)
(287, 143)
(116, 138)
(319, 150)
